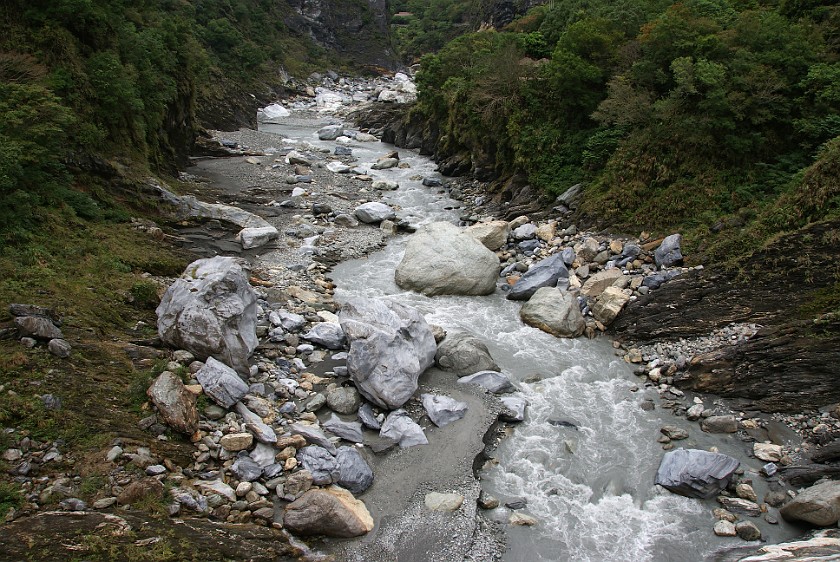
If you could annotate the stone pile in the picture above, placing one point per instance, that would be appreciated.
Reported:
(34, 325)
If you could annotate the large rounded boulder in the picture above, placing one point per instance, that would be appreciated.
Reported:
(442, 259)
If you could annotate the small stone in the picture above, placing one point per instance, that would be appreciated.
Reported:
(486, 501)
(673, 432)
(724, 528)
(436, 501)
(767, 452)
(745, 491)
(721, 513)
(59, 348)
(236, 441)
(104, 503)
(520, 519)
(748, 531)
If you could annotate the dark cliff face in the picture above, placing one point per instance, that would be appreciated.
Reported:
(356, 29)
(499, 13)
(792, 363)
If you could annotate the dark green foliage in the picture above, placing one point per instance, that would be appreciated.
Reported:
(675, 115)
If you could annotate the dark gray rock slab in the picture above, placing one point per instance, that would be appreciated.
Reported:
(354, 472)
(546, 273)
(695, 473)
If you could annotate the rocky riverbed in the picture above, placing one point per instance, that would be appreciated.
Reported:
(266, 374)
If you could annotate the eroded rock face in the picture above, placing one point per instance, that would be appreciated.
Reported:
(390, 347)
(211, 311)
(442, 259)
(332, 512)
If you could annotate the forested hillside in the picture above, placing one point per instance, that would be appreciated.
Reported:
(85, 82)
(713, 117)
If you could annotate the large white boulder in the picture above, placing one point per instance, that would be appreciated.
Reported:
(442, 259)
(211, 311)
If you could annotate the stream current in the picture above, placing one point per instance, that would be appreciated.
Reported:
(590, 486)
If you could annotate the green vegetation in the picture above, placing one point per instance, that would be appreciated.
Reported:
(427, 25)
(10, 497)
(692, 115)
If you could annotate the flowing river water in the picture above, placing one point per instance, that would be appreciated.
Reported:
(589, 483)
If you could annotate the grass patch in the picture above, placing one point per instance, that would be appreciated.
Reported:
(10, 497)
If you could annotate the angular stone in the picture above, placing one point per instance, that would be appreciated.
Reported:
(448, 502)
(311, 434)
(740, 505)
(492, 381)
(668, 253)
(768, 452)
(211, 311)
(748, 531)
(174, 402)
(320, 463)
(400, 428)
(216, 487)
(514, 408)
(391, 345)
(332, 512)
(354, 473)
(818, 505)
(492, 234)
(326, 334)
(349, 431)
(59, 347)
(246, 469)
(695, 473)
(550, 272)
(221, 383)
(609, 304)
(443, 410)
(236, 441)
(724, 528)
(262, 431)
(37, 327)
(596, 284)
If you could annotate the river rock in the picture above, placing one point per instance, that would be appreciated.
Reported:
(668, 253)
(442, 259)
(374, 212)
(385, 164)
(463, 354)
(673, 432)
(695, 473)
(354, 473)
(211, 311)
(493, 234)
(262, 431)
(609, 304)
(327, 334)
(525, 231)
(254, 237)
(554, 311)
(221, 383)
(550, 272)
(818, 505)
(390, 347)
(400, 428)
(330, 132)
(596, 284)
(719, 424)
(385, 185)
(174, 402)
(492, 381)
(740, 505)
(368, 418)
(273, 113)
(443, 410)
(320, 463)
(350, 431)
(344, 400)
(768, 452)
(311, 434)
(332, 512)
(514, 408)
(747, 531)
(37, 327)
(587, 249)
(216, 487)
(338, 167)
(246, 469)
(236, 441)
(449, 502)
(724, 528)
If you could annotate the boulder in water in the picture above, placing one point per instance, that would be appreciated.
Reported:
(694, 473)
(554, 311)
(442, 259)
(818, 505)
(374, 212)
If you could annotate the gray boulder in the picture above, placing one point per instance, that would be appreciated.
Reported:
(37, 327)
(327, 334)
(719, 424)
(211, 311)
(550, 272)
(320, 463)
(443, 410)
(694, 473)
(349, 431)
(385, 164)
(174, 402)
(374, 212)
(354, 473)
(313, 435)
(330, 132)
(554, 311)
(463, 354)
(290, 321)
(818, 505)
(514, 408)
(442, 259)
(400, 428)
(492, 381)
(668, 253)
(60, 348)
(390, 347)
(221, 383)
(246, 469)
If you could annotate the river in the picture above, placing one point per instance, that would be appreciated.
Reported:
(590, 486)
